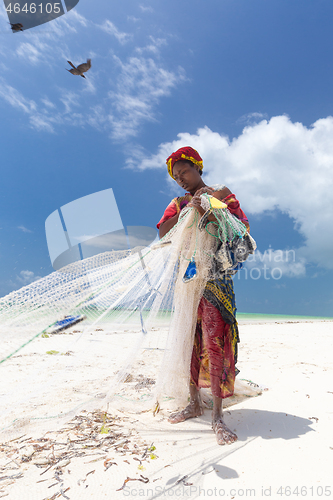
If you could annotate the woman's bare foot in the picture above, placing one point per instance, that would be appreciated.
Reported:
(223, 434)
(193, 409)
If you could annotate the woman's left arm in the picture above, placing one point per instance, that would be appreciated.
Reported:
(224, 195)
(233, 206)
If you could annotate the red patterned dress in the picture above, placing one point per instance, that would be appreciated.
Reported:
(214, 354)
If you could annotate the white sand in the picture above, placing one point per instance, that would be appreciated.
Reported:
(285, 436)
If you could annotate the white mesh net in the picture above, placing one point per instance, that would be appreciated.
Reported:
(127, 300)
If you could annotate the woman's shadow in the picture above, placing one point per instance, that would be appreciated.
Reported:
(266, 424)
(249, 424)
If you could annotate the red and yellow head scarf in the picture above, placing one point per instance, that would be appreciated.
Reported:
(186, 153)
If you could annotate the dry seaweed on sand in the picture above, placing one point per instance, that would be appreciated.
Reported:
(99, 435)
(141, 478)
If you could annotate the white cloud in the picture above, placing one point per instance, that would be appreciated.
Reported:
(46, 101)
(15, 98)
(27, 277)
(273, 165)
(277, 263)
(29, 52)
(41, 123)
(110, 28)
(90, 86)
(40, 118)
(78, 17)
(133, 19)
(97, 118)
(70, 100)
(140, 86)
(252, 118)
(153, 47)
(24, 229)
(146, 9)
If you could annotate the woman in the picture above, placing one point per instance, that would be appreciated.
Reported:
(215, 343)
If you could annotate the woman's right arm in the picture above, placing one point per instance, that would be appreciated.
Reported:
(167, 225)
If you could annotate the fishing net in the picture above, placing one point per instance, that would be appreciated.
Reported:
(139, 309)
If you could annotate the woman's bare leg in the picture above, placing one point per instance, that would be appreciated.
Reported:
(193, 409)
(223, 434)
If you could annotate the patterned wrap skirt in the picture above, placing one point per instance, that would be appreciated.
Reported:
(214, 354)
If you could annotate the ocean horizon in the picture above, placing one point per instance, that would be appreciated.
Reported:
(263, 317)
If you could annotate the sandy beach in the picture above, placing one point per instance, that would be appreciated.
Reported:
(285, 440)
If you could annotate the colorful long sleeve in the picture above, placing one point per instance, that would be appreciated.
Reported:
(235, 209)
(174, 207)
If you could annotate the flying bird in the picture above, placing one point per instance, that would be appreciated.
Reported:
(82, 68)
(16, 27)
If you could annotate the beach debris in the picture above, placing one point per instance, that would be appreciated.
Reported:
(314, 418)
(14, 476)
(63, 463)
(99, 435)
(80, 69)
(141, 478)
(149, 451)
(182, 480)
(140, 466)
(58, 494)
(43, 461)
(156, 409)
(84, 480)
(108, 463)
(104, 430)
(63, 493)
(144, 382)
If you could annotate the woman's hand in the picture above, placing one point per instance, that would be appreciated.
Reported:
(196, 200)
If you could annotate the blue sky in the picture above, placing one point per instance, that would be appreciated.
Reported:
(248, 83)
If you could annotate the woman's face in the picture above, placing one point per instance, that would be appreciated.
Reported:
(186, 176)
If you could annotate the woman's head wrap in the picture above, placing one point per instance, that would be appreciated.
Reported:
(186, 153)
